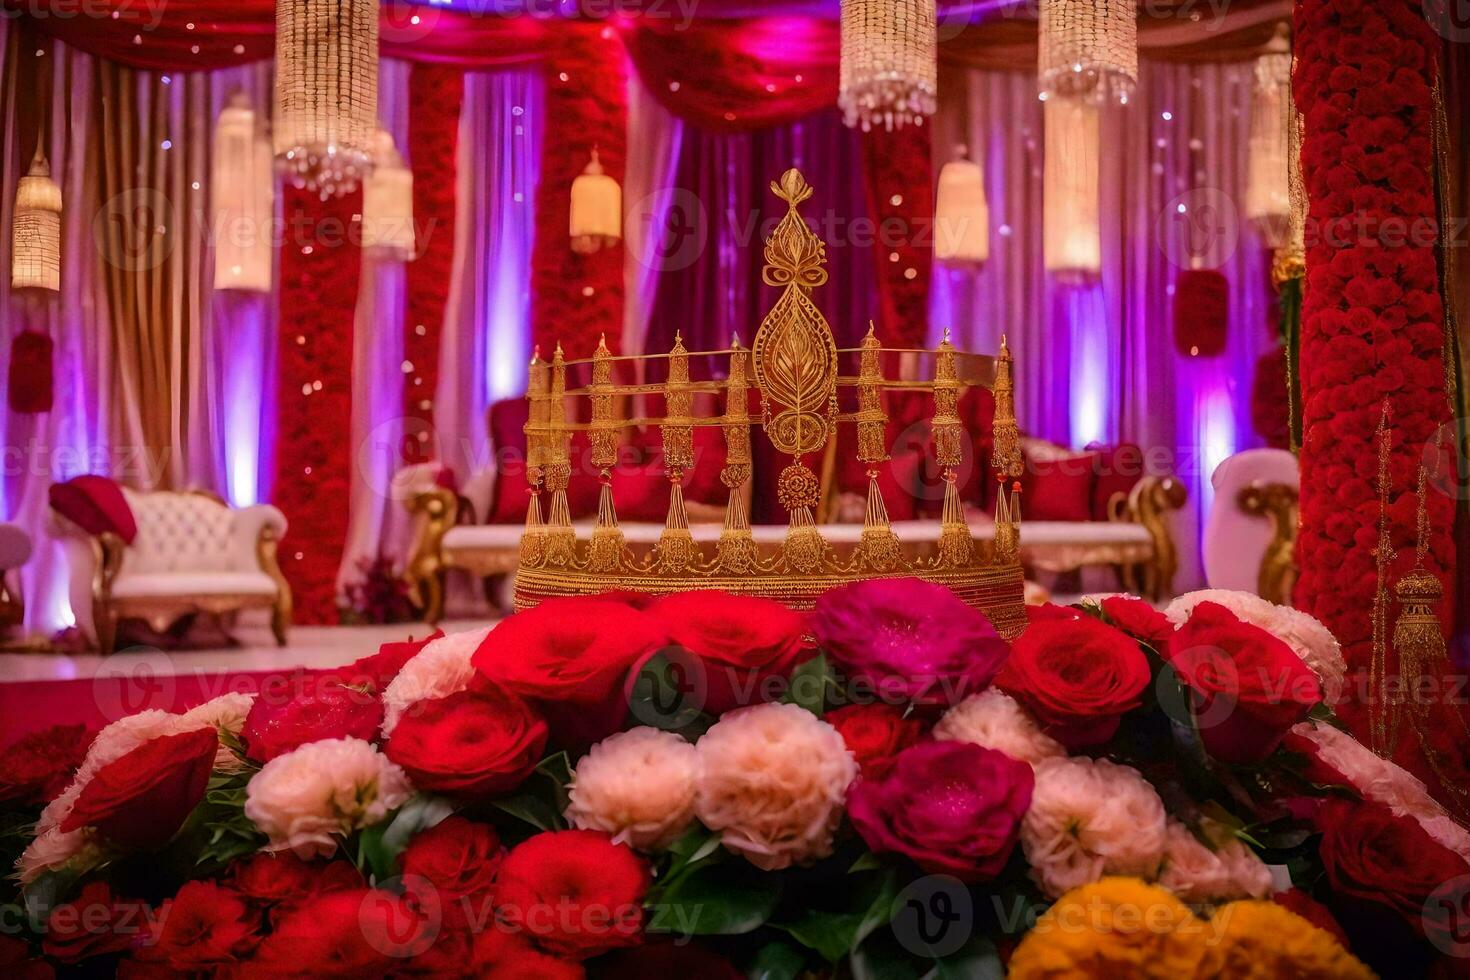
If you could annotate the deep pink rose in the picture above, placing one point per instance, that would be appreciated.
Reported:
(953, 807)
(908, 638)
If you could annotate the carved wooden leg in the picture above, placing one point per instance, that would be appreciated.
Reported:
(281, 616)
(104, 621)
(431, 587)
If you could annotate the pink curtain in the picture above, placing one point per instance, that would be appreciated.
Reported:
(1098, 362)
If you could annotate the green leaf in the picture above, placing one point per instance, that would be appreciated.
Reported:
(531, 809)
(831, 934)
(657, 699)
(558, 770)
(882, 958)
(977, 960)
(716, 900)
(868, 862)
(775, 961)
(809, 685)
(380, 845)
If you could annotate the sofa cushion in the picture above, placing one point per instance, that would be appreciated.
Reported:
(1119, 468)
(187, 583)
(1058, 487)
(95, 504)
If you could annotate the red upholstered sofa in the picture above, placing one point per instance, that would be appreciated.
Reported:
(1080, 508)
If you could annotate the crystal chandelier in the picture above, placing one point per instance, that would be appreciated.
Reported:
(888, 62)
(326, 91)
(1071, 212)
(1088, 49)
(1267, 190)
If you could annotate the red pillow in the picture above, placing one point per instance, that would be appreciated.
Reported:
(1059, 489)
(1119, 468)
(95, 504)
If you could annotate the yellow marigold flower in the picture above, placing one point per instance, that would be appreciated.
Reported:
(1116, 927)
(1252, 940)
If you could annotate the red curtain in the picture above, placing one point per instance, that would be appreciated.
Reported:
(575, 299)
(728, 76)
(435, 95)
(314, 453)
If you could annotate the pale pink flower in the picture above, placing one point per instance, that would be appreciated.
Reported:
(309, 798)
(1222, 870)
(772, 781)
(639, 786)
(993, 719)
(1089, 818)
(440, 669)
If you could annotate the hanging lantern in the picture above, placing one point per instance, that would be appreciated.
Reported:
(1267, 189)
(326, 91)
(30, 380)
(889, 62)
(242, 187)
(1201, 312)
(1070, 211)
(387, 203)
(597, 209)
(961, 214)
(35, 243)
(1088, 49)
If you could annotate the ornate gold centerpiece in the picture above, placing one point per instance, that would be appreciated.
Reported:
(794, 367)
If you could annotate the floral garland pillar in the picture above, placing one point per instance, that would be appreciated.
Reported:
(900, 190)
(320, 264)
(436, 93)
(1372, 322)
(576, 299)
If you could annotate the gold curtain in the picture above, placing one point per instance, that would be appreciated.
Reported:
(152, 243)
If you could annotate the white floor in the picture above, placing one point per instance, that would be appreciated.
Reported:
(310, 646)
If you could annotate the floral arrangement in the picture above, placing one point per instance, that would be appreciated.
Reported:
(715, 786)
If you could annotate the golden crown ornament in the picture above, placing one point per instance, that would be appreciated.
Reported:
(793, 365)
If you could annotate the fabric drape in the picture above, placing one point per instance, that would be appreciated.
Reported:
(1096, 361)
(655, 138)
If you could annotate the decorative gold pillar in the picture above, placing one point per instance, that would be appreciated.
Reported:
(676, 545)
(561, 538)
(736, 552)
(605, 553)
(533, 541)
(879, 547)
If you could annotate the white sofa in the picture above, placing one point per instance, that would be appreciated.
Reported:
(193, 553)
(1250, 534)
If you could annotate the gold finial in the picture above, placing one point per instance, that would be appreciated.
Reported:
(735, 340)
(946, 336)
(792, 188)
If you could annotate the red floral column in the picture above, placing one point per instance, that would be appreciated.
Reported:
(314, 453)
(577, 298)
(435, 95)
(1372, 320)
(900, 189)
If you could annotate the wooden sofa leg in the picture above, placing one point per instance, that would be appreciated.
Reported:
(281, 614)
(104, 621)
(431, 587)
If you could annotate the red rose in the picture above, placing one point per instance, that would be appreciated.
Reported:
(953, 807)
(279, 880)
(874, 733)
(1139, 620)
(375, 672)
(16, 961)
(568, 649)
(142, 798)
(284, 717)
(502, 955)
(1374, 856)
(459, 859)
(473, 744)
(1247, 687)
(201, 928)
(94, 923)
(1077, 676)
(573, 893)
(738, 639)
(35, 768)
(349, 934)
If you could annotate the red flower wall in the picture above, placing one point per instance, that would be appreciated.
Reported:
(901, 197)
(314, 452)
(435, 95)
(577, 298)
(1372, 321)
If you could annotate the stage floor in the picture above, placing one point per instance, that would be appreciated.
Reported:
(310, 646)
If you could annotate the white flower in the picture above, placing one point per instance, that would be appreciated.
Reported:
(1305, 634)
(53, 849)
(440, 669)
(226, 713)
(1088, 818)
(1381, 781)
(639, 786)
(1221, 871)
(772, 780)
(992, 719)
(308, 798)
